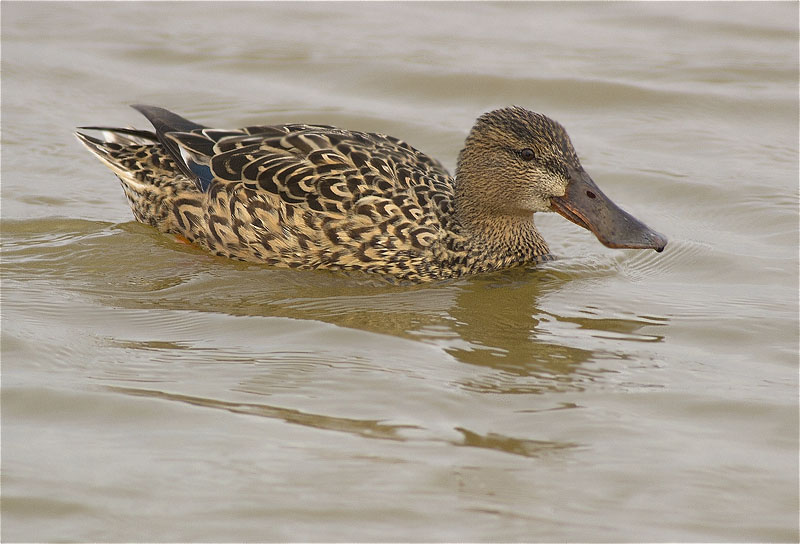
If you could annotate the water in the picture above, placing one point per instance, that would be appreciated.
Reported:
(151, 392)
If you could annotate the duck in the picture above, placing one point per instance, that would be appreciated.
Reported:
(321, 197)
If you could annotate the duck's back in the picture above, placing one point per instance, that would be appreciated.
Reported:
(302, 196)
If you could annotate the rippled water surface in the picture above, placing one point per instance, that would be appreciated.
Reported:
(153, 392)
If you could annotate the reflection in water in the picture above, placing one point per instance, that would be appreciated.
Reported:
(502, 319)
(360, 427)
(497, 319)
(497, 322)
(525, 447)
(367, 428)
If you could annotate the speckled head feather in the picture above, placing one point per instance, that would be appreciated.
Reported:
(314, 196)
(518, 126)
(492, 173)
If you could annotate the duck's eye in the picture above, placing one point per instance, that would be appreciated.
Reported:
(527, 154)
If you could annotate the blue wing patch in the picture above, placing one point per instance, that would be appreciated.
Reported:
(203, 173)
(196, 162)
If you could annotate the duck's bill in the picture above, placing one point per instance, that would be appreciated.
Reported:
(586, 205)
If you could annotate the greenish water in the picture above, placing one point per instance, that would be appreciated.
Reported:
(151, 392)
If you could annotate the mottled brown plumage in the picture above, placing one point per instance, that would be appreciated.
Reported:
(312, 196)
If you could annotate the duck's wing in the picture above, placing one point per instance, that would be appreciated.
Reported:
(323, 167)
(345, 185)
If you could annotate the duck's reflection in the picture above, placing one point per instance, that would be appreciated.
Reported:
(529, 348)
(501, 322)
(499, 317)
(361, 427)
(502, 327)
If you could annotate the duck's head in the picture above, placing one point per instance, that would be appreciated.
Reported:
(516, 162)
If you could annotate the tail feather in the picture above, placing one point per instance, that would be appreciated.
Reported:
(108, 150)
(125, 136)
(164, 121)
(150, 177)
(161, 188)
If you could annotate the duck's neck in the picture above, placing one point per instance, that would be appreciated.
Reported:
(505, 239)
(491, 216)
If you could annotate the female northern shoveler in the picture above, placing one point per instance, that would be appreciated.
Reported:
(314, 196)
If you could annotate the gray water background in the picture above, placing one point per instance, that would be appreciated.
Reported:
(151, 392)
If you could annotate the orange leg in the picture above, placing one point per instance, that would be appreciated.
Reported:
(180, 239)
